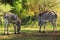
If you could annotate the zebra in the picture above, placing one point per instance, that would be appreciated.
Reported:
(45, 17)
(12, 18)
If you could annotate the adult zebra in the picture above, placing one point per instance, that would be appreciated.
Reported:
(12, 18)
(45, 17)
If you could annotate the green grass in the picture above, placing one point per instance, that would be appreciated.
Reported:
(29, 32)
(29, 36)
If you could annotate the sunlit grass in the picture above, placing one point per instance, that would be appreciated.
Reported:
(29, 29)
(26, 30)
(32, 28)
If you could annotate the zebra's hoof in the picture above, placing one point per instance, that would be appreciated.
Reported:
(15, 33)
(40, 31)
(43, 31)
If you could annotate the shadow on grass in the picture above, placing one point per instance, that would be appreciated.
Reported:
(33, 35)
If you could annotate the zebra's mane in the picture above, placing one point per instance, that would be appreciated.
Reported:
(41, 14)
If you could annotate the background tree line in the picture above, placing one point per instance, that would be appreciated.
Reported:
(28, 10)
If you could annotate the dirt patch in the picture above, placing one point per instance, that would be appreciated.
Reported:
(32, 36)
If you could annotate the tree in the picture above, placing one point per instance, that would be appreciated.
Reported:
(8, 1)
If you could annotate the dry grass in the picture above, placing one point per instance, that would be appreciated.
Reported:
(30, 34)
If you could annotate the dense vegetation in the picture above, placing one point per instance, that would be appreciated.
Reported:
(27, 10)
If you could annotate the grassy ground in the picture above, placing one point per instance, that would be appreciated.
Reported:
(30, 34)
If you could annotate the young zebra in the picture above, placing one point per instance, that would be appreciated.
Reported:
(45, 17)
(12, 18)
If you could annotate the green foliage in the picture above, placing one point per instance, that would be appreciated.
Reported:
(8, 1)
(17, 7)
(28, 8)
(20, 8)
(24, 4)
(5, 8)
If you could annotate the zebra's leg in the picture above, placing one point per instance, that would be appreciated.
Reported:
(4, 28)
(7, 29)
(40, 29)
(54, 26)
(14, 28)
(5, 25)
(18, 27)
(40, 24)
(44, 27)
